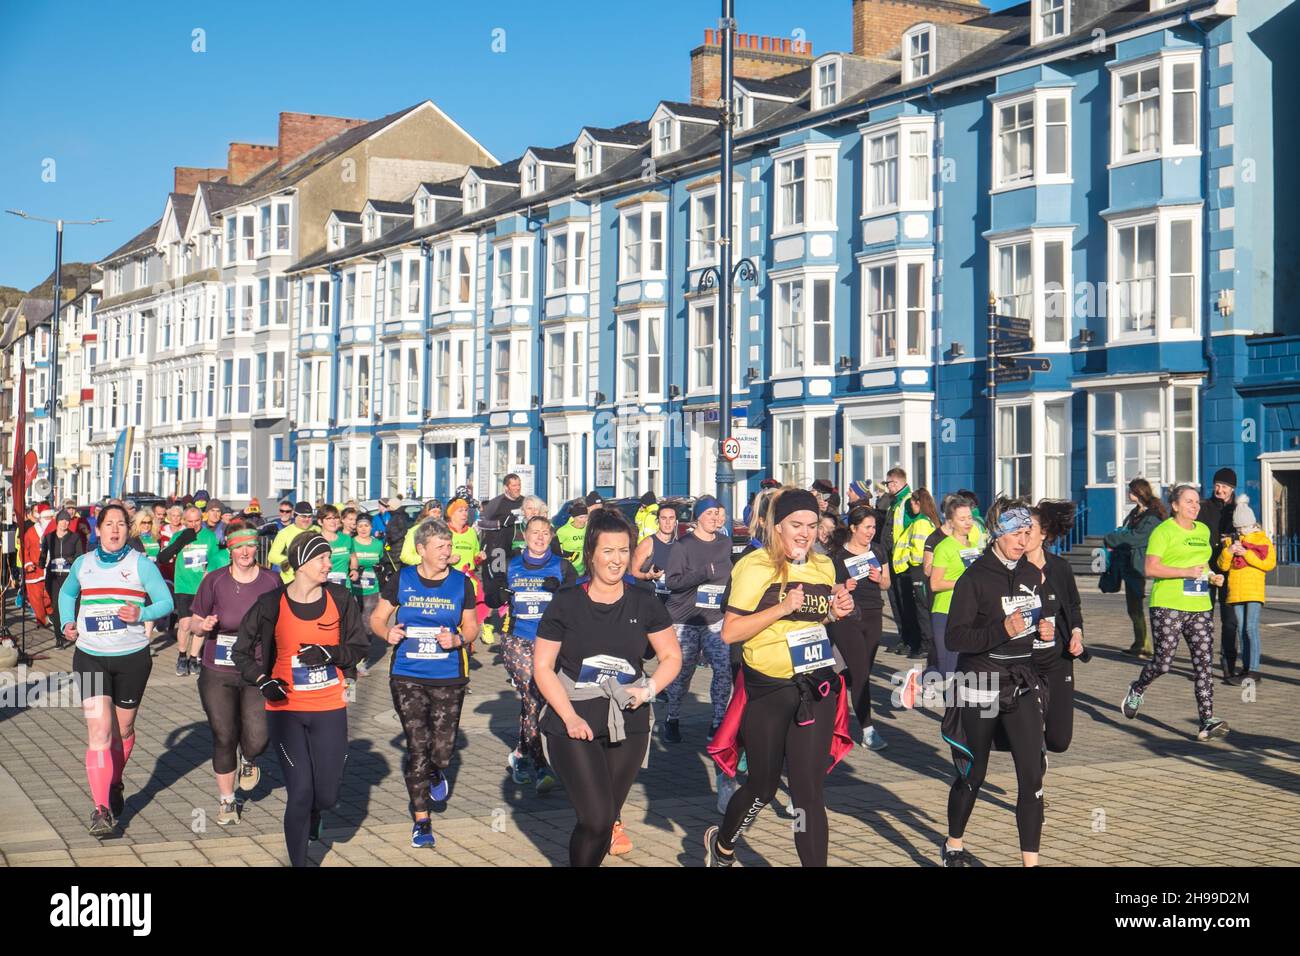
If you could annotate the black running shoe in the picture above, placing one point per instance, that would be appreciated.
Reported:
(711, 855)
(672, 732)
(182, 666)
(196, 666)
(101, 822)
(953, 857)
(116, 799)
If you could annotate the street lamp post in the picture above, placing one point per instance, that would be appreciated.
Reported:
(52, 400)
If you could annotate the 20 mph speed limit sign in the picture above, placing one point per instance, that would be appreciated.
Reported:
(731, 449)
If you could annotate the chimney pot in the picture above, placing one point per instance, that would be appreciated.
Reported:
(785, 45)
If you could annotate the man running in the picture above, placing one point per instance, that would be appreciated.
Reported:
(193, 550)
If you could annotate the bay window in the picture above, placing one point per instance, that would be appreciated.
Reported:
(282, 226)
(1146, 430)
(642, 243)
(1031, 139)
(640, 356)
(1031, 278)
(1155, 273)
(804, 447)
(565, 363)
(804, 309)
(1155, 108)
(263, 229)
(640, 459)
(805, 184)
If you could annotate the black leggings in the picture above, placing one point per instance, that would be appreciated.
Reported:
(236, 714)
(922, 599)
(858, 639)
(430, 715)
(1024, 730)
(313, 750)
(597, 775)
(1059, 678)
(771, 739)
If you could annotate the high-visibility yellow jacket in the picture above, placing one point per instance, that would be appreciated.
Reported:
(647, 521)
(900, 518)
(920, 529)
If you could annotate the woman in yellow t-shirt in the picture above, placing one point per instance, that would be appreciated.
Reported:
(788, 702)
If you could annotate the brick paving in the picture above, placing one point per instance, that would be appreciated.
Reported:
(1141, 793)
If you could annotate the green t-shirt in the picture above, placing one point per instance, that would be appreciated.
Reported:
(150, 546)
(571, 540)
(340, 558)
(194, 561)
(368, 556)
(1176, 547)
(222, 560)
(954, 560)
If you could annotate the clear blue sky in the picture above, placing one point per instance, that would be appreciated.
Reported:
(115, 96)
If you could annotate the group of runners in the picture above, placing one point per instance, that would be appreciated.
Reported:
(598, 624)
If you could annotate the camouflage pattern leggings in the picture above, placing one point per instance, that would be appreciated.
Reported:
(430, 715)
(518, 654)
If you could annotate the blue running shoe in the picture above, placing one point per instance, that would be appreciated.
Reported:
(422, 834)
(546, 780)
(521, 769)
(438, 787)
(743, 765)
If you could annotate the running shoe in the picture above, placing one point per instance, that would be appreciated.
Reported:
(363, 669)
(1214, 727)
(487, 634)
(672, 731)
(117, 799)
(546, 780)
(250, 774)
(1132, 701)
(182, 666)
(422, 834)
(911, 688)
(712, 856)
(228, 813)
(727, 787)
(101, 822)
(316, 829)
(872, 740)
(521, 769)
(196, 666)
(742, 765)
(619, 841)
(439, 788)
(953, 857)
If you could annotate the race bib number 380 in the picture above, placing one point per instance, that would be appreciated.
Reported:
(810, 648)
(307, 678)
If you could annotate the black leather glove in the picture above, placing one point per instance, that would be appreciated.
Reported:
(551, 584)
(313, 655)
(273, 689)
(186, 536)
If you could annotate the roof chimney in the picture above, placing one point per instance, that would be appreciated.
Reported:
(244, 160)
(300, 133)
(756, 57)
(878, 25)
(186, 179)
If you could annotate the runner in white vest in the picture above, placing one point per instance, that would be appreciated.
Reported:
(110, 593)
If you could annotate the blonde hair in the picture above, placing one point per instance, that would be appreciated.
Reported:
(772, 542)
(141, 516)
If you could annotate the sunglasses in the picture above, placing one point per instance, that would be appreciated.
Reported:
(286, 511)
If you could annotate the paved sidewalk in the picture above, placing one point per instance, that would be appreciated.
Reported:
(1127, 793)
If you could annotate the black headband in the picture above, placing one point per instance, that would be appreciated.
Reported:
(792, 501)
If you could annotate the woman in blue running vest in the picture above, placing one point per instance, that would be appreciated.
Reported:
(436, 622)
(532, 578)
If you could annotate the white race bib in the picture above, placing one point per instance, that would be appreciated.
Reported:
(337, 577)
(709, 596)
(307, 678)
(104, 622)
(860, 565)
(601, 667)
(221, 654)
(810, 648)
(425, 646)
(1030, 609)
(530, 605)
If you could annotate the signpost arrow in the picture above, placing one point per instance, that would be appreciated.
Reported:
(1011, 323)
(1012, 346)
(1010, 375)
(1033, 364)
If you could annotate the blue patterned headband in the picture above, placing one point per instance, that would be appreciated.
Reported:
(1012, 520)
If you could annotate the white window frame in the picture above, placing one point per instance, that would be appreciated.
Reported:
(1165, 148)
(577, 267)
(473, 194)
(448, 298)
(587, 161)
(647, 211)
(284, 232)
(1037, 240)
(904, 353)
(1041, 10)
(1038, 174)
(802, 280)
(1038, 455)
(519, 353)
(664, 128)
(643, 475)
(644, 388)
(459, 374)
(569, 365)
(1163, 218)
(694, 386)
(803, 471)
(785, 211)
(911, 52)
(907, 177)
(826, 82)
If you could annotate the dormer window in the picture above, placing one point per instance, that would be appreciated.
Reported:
(918, 53)
(471, 195)
(663, 136)
(1051, 19)
(372, 226)
(422, 210)
(740, 107)
(587, 164)
(336, 236)
(828, 84)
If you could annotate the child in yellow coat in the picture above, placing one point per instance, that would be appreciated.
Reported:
(1247, 557)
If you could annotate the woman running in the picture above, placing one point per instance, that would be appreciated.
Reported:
(532, 578)
(996, 611)
(789, 706)
(236, 710)
(60, 549)
(108, 596)
(1054, 655)
(305, 631)
(1178, 560)
(587, 664)
(436, 623)
(858, 555)
(369, 551)
(343, 561)
(952, 556)
(925, 521)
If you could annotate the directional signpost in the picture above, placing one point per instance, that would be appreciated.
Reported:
(1010, 337)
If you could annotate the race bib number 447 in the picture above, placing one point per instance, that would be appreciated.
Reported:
(810, 648)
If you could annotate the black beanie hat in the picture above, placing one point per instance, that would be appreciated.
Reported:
(1225, 476)
(796, 499)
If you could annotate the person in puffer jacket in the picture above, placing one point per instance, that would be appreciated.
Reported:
(1247, 557)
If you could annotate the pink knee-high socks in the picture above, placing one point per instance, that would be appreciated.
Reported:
(104, 768)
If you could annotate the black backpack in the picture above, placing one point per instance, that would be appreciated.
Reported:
(390, 562)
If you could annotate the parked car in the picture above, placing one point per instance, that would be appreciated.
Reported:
(144, 499)
(411, 506)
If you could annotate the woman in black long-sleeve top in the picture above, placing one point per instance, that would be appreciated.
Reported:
(992, 622)
(1054, 659)
(59, 548)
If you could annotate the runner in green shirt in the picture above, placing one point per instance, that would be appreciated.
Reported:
(343, 561)
(194, 550)
(369, 551)
(952, 556)
(1178, 560)
(572, 534)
